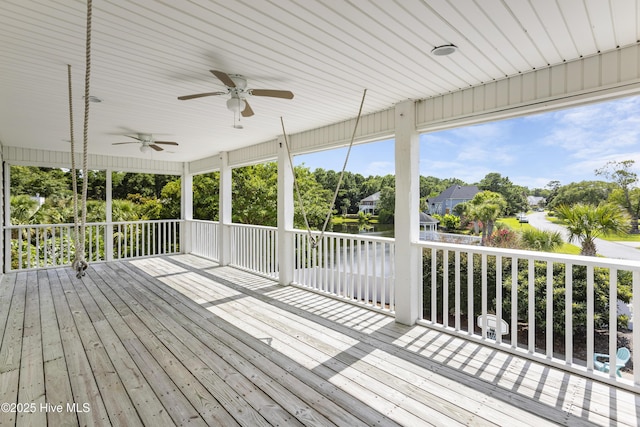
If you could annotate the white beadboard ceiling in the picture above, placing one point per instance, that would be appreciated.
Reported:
(146, 53)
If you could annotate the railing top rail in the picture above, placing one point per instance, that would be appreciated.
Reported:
(70, 224)
(537, 255)
(203, 221)
(349, 236)
(266, 227)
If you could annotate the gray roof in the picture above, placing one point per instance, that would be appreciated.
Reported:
(372, 198)
(456, 192)
(427, 219)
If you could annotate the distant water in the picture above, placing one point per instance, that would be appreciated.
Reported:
(380, 230)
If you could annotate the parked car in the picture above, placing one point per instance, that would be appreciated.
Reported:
(522, 218)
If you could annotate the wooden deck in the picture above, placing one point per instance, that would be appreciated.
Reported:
(179, 340)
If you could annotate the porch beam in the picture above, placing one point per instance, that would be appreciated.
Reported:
(408, 266)
(225, 209)
(285, 215)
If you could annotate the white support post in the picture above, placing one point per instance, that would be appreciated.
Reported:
(286, 254)
(186, 209)
(108, 244)
(7, 216)
(408, 263)
(225, 210)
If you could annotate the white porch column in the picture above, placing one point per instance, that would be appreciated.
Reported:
(108, 244)
(408, 265)
(224, 248)
(6, 191)
(285, 215)
(186, 209)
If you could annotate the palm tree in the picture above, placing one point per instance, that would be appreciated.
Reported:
(586, 222)
(486, 206)
(541, 240)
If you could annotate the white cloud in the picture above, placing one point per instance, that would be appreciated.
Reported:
(379, 168)
(605, 130)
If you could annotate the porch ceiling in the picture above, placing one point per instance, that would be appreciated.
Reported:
(147, 53)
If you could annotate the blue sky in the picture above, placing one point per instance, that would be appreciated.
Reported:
(566, 145)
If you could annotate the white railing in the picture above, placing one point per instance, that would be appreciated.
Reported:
(146, 238)
(255, 248)
(52, 245)
(474, 288)
(48, 245)
(348, 266)
(205, 239)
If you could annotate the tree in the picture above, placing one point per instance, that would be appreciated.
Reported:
(387, 205)
(486, 206)
(515, 196)
(32, 180)
(620, 173)
(587, 222)
(552, 187)
(587, 192)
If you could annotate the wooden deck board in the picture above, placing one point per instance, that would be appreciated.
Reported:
(179, 340)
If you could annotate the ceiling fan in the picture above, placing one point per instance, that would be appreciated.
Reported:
(238, 91)
(146, 141)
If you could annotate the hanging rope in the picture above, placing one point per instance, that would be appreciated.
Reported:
(74, 180)
(316, 240)
(79, 263)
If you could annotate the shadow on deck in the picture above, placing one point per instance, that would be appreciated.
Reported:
(180, 340)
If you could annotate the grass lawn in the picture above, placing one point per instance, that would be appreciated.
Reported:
(338, 219)
(611, 238)
(514, 224)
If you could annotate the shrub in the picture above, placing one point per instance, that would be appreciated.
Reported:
(541, 240)
(579, 291)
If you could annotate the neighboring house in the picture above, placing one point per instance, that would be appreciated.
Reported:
(449, 198)
(536, 201)
(369, 204)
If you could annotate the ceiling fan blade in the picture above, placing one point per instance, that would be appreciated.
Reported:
(272, 93)
(200, 95)
(128, 142)
(137, 138)
(247, 112)
(165, 142)
(224, 78)
(156, 147)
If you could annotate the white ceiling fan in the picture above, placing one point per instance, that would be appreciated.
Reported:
(238, 91)
(147, 143)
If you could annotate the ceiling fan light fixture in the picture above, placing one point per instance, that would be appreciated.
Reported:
(237, 105)
(144, 148)
(444, 50)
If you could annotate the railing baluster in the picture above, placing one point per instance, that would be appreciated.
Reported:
(613, 319)
(499, 297)
(549, 314)
(434, 286)
(635, 292)
(470, 316)
(514, 302)
(457, 289)
(531, 324)
(484, 293)
(590, 319)
(568, 316)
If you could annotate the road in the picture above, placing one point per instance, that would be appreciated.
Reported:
(621, 250)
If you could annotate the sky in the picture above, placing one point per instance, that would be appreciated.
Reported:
(566, 145)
